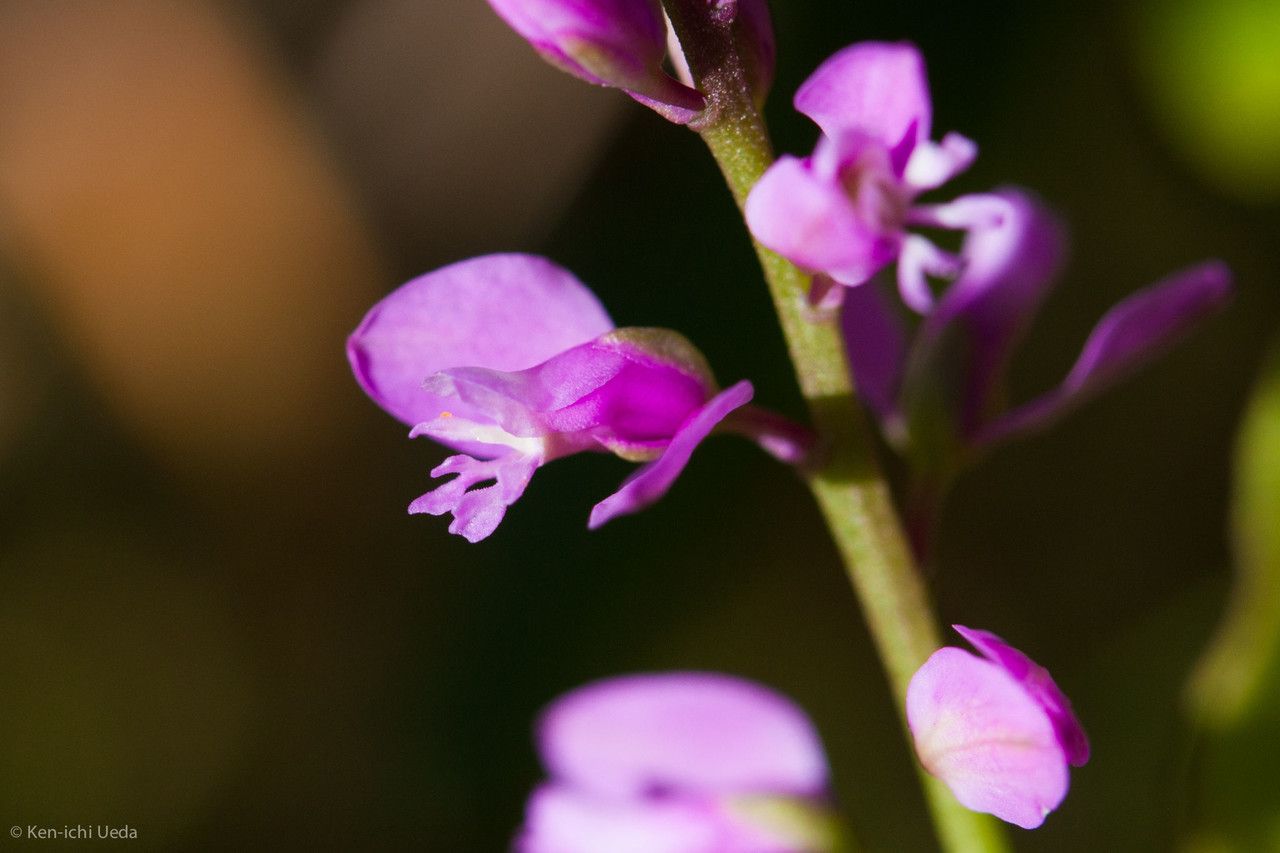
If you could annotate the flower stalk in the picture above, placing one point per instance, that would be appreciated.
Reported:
(850, 489)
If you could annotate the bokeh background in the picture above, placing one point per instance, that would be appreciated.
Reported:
(218, 625)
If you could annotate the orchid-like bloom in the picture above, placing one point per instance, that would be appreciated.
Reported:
(996, 729)
(844, 211)
(679, 763)
(512, 361)
(623, 43)
(941, 390)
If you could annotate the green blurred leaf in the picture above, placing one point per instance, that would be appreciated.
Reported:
(1213, 78)
(1235, 693)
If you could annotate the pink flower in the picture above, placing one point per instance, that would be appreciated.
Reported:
(996, 729)
(512, 361)
(844, 210)
(678, 763)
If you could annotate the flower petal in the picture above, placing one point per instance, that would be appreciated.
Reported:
(618, 43)
(810, 220)
(1036, 680)
(681, 733)
(559, 819)
(876, 88)
(1130, 334)
(650, 482)
(519, 401)
(613, 391)
(876, 344)
(1011, 255)
(477, 512)
(933, 164)
(503, 312)
(978, 731)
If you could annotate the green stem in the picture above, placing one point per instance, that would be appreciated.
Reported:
(848, 485)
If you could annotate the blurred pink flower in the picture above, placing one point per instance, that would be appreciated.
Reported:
(678, 763)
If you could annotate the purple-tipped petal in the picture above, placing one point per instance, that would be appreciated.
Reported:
(1036, 680)
(1142, 323)
(810, 219)
(618, 43)
(876, 343)
(559, 819)
(503, 312)
(651, 481)
(1130, 334)
(875, 88)
(981, 733)
(681, 733)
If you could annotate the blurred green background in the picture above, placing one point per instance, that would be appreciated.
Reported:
(218, 625)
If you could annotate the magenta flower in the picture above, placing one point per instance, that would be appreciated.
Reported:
(511, 361)
(618, 43)
(996, 729)
(844, 210)
(942, 389)
(678, 763)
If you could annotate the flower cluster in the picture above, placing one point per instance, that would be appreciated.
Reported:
(512, 362)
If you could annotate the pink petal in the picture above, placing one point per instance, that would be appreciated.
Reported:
(650, 482)
(519, 401)
(1011, 255)
(809, 218)
(625, 37)
(1039, 685)
(1133, 332)
(932, 164)
(503, 312)
(681, 732)
(876, 88)
(619, 43)
(562, 820)
(609, 391)
(981, 733)
(477, 513)
(876, 344)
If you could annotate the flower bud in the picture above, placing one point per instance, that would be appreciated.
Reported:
(617, 43)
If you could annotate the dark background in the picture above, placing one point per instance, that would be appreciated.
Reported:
(217, 624)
